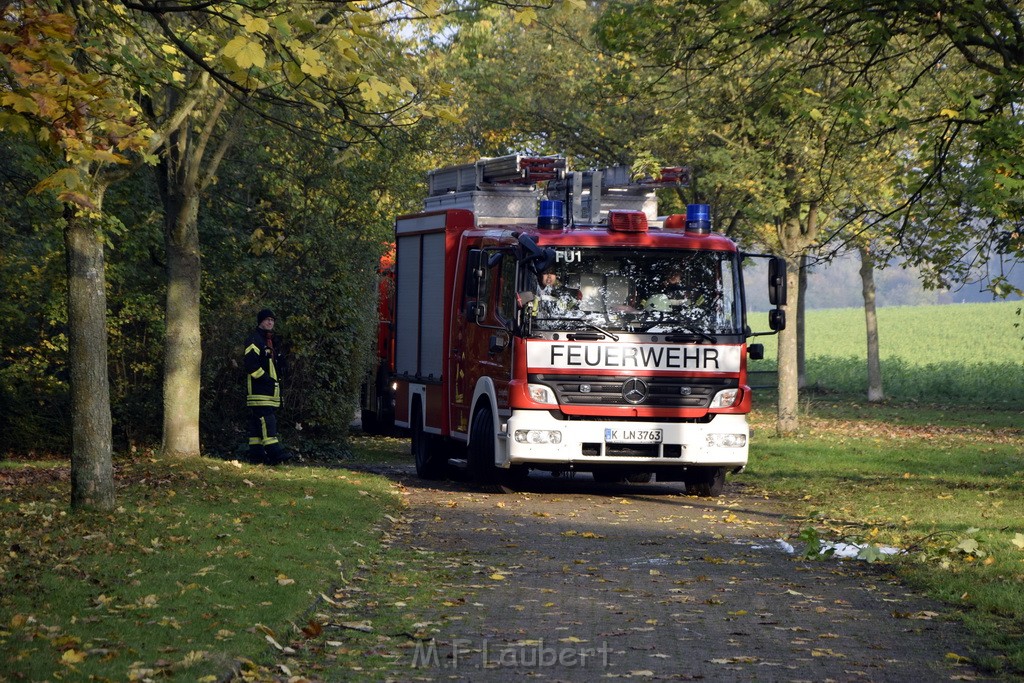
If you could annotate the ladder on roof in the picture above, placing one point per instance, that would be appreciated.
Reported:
(582, 191)
(514, 169)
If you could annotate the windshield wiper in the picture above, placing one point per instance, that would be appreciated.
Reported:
(691, 333)
(603, 331)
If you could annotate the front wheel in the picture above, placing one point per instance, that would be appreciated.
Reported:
(706, 482)
(481, 448)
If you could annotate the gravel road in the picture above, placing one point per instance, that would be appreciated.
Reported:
(570, 580)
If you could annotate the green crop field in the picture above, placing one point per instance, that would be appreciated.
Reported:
(958, 353)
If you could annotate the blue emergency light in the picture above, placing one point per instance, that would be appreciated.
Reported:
(552, 214)
(698, 218)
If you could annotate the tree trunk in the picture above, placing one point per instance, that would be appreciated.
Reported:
(184, 173)
(797, 230)
(801, 336)
(787, 419)
(92, 475)
(867, 279)
(183, 353)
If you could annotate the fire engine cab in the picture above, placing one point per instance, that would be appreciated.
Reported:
(546, 319)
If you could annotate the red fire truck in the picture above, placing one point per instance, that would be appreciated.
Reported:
(546, 319)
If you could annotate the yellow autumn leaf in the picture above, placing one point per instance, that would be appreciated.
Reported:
(255, 24)
(20, 103)
(310, 62)
(192, 658)
(525, 16)
(497, 577)
(949, 113)
(72, 657)
(1018, 540)
(373, 90)
(245, 53)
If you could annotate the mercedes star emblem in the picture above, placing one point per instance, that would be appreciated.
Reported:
(634, 390)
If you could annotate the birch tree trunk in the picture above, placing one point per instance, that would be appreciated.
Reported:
(867, 279)
(92, 476)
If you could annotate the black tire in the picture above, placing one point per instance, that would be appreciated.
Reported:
(429, 464)
(369, 422)
(706, 482)
(481, 448)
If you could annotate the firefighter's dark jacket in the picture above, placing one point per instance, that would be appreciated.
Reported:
(263, 368)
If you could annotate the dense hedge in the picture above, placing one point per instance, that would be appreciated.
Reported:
(285, 227)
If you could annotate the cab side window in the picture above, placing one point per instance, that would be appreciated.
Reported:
(475, 279)
(506, 274)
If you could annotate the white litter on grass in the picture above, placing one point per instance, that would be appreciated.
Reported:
(853, 549)
(778, 545)
(840, 550)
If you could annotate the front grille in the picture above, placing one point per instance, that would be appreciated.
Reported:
(663, 392)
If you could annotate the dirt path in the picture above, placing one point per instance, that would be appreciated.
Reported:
(574, 581)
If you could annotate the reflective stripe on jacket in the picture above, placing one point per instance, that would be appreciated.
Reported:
(262, 364)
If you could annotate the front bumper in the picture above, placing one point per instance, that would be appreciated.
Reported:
(582, 442)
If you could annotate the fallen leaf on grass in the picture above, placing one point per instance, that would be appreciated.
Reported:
(1018, 540)
(192, 658)
(73, 657)
(283, 580)
(959, 659)
(312, 629)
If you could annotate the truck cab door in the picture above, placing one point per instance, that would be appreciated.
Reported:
(481, 343)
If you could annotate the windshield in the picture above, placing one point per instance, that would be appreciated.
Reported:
(637, 291)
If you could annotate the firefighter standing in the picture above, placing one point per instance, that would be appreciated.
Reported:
(264, 365)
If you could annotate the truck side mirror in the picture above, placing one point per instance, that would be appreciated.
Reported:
(756, 351)
(777, 282)
(777, 319)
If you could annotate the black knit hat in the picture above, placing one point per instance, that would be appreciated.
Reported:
(263, 315)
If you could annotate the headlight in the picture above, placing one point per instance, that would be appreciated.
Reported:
(727, 440)
(538, 436)
(541, 393)
(725, 398)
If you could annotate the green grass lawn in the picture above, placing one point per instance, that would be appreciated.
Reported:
(205, 563)
(965, 354)
(946, 485)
